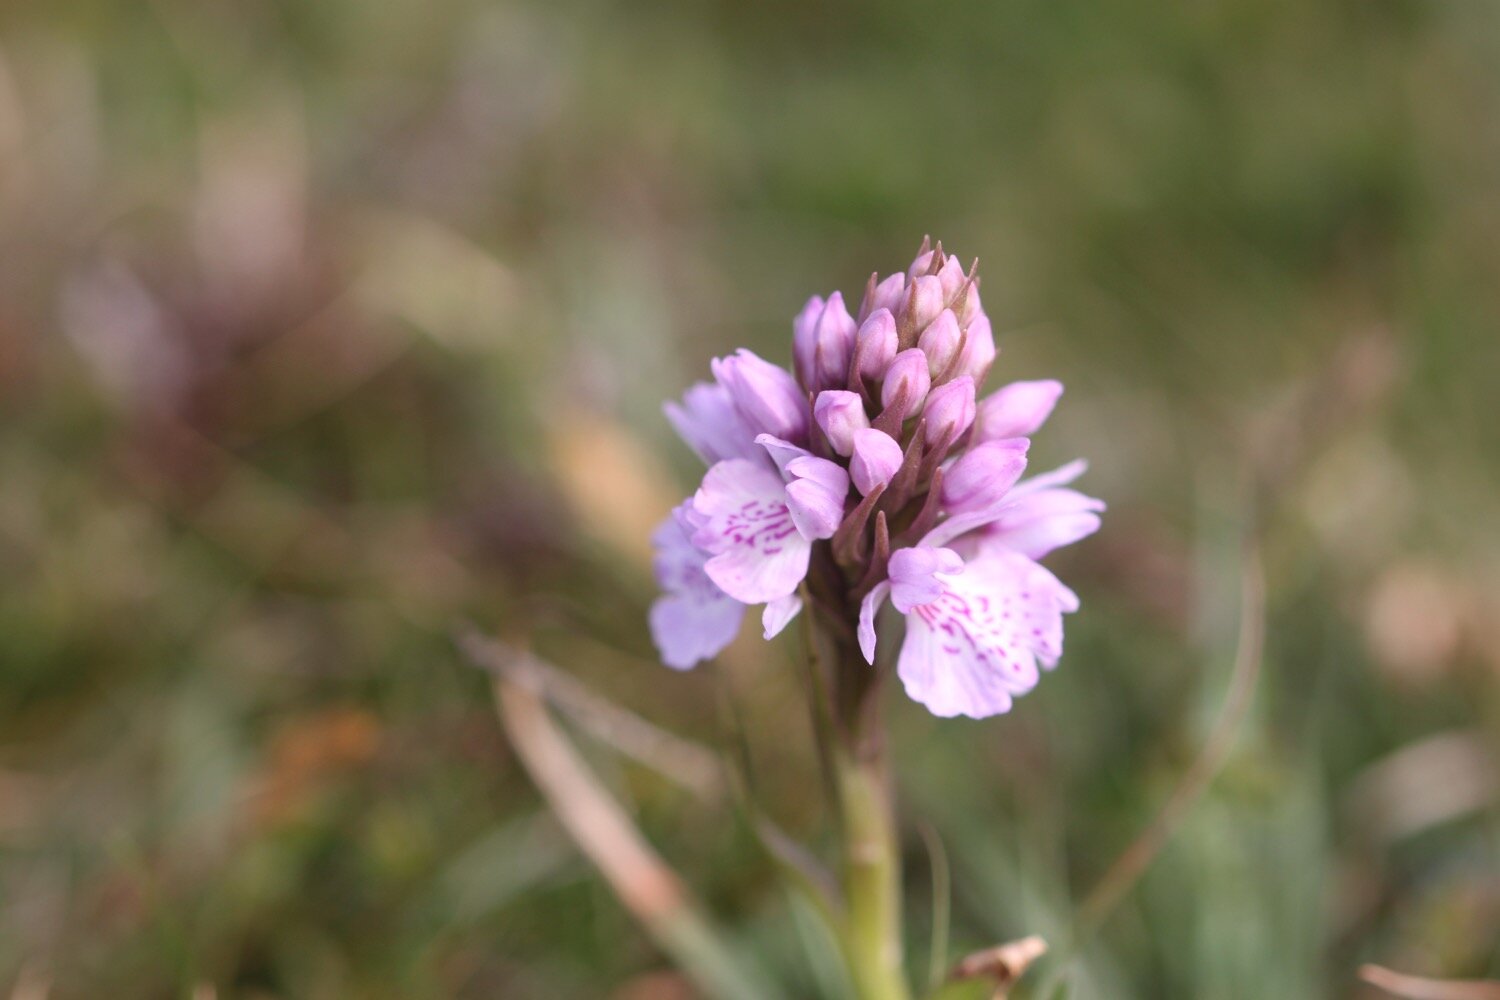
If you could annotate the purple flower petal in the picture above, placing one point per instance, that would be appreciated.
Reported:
(687, 629)
(950, 411)
(924, 300)
(708, 422)
(1016, 410)
(1039, 522)
(829, 475)
(979, 345)
(889, 295)
(876, 343)
(781, 452)
(984, 475)
(876, 459)
(767, 397)
(940, 342)
(908, 377)
(914, 575)
(816, 510)
(1060, 476)
(840, 413)
(805, 338)
(694, 620)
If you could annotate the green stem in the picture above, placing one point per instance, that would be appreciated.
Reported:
(872, 879)
(872, 871)
(871, 875)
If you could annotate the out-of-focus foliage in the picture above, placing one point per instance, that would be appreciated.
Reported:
(325, 326)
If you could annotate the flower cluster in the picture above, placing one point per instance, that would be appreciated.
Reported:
(876, 474)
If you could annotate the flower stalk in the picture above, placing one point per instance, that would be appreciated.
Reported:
(872, 879)
(870, 861)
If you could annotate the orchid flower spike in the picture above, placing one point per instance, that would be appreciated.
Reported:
(871, 473)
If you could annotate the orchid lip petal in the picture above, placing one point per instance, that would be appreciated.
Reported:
(744, 523)
(983, 642)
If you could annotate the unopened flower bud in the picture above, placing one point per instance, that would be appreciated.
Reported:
(1016, 410)
(940, 342)
(952, 277)
(875, 345)
(921, 265)
(822, 348)
(984, 474)
(979, 349)
(950, 411)
(924, 300)
(890, 293)
(766, 396)
(841, 414)
(875, 460)
(968, 306)
(907, 378)
(804, 337)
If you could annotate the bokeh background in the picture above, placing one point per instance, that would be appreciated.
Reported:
(325, 327)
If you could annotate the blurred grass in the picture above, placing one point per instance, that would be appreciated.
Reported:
(323, 326)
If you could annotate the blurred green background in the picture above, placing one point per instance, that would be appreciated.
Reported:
(326, 326)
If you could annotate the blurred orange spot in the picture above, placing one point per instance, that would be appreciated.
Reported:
(305, 754)
(618, 489)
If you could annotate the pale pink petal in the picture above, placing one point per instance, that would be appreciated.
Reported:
(759, 573)
(778, 614)
(743, 520)
(933, 676)
(978, 646)
(1060, 476)
(867, 609)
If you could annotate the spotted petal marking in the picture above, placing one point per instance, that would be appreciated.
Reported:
(743, 521)
(978, 646)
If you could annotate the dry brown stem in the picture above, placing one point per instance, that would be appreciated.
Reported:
(1418, 988)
